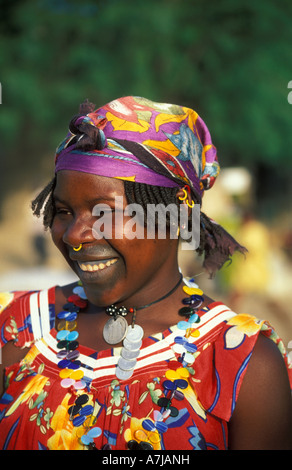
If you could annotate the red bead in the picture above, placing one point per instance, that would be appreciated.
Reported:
(174, 365)
(76, 300)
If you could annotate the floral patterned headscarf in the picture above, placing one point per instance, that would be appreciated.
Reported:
(142, 141)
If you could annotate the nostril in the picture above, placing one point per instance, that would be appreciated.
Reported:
(78, 233)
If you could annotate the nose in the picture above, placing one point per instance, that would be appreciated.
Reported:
(79, 231)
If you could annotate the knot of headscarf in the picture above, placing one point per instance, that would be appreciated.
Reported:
(136, 139)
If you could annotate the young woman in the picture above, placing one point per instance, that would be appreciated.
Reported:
(134, 355)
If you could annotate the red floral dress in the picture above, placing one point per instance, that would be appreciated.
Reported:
(34, 407)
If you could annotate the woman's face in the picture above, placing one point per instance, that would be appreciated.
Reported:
(112, 268)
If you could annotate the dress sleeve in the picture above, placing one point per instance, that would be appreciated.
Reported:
(15, 322)
(224, 361)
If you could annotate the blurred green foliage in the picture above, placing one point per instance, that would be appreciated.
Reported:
(229, 60)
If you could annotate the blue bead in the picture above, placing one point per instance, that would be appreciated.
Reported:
(161, 427)
(192, 300)
(187, 301)
(62, 335)
(66, 315)
(86, 440)
(78, 421)
(75, 365)
(180, 383)
(194, 318)
(148, 425)
(64, 363)
(169, 385)
(190, 347)
(179, 340)
(86, 410)
(183, 325)
(72, 336)
(71, 307)
(94, 432)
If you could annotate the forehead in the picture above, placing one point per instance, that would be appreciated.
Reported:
(85, 186)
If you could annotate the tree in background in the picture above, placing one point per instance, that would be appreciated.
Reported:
(231, 61)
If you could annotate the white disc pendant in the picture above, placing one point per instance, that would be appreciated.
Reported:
(128, 354)
(135, 333)
(132, 346)
(114, 331)
(123, 374)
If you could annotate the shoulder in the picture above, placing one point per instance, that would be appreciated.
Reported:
(6, 298)
(11, 315)
(255, 376)
(232, 344)
(262, 418)
(16, 314)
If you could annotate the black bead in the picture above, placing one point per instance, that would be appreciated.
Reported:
(74, 410)
(185, 311)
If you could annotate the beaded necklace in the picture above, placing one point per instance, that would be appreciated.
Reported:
(82, 411)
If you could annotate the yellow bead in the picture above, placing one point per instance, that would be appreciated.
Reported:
(77, 374)
(188, 332)
(192, 290)
(67, 325)
(154, 437)
(65, 373)
(195, 333)
(171, 374)
(80, 431)
(140, 435)
(183, 372)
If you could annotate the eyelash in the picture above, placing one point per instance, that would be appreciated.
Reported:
(62, 211)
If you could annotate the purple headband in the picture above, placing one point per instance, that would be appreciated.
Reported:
(142, 141)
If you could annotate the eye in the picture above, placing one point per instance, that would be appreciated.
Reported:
(62, 211)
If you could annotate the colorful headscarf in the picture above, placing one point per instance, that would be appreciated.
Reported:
(142, 141)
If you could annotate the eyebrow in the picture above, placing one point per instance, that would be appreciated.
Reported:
(91, 201)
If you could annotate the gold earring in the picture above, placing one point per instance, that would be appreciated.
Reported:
(185, 195)
(189, 204)
(78, 248)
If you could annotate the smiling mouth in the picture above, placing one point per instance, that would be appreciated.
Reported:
(93, 266)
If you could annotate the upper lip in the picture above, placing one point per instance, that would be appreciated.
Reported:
(89, 255)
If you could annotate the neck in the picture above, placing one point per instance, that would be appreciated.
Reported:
(156, 290)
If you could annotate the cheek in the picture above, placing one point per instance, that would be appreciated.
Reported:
(57, 232)
(142, 255)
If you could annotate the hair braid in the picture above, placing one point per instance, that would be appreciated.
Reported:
(45, 200)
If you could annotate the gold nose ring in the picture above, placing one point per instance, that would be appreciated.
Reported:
(78, 248)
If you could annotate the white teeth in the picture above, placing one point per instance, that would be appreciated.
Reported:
(93, 266)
